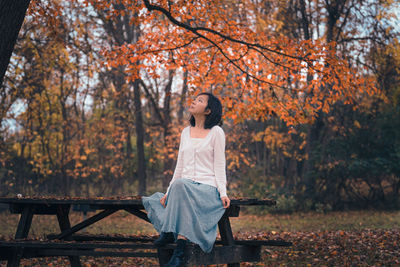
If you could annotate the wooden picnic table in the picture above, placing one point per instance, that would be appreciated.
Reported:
(68, 243)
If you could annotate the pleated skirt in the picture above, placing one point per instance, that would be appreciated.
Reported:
(192, 210)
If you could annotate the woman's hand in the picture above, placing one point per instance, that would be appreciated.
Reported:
(225, 202)
(163, 199)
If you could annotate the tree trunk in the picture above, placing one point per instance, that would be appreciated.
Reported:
(314, 132)
(313, 139)
(65, 138)
(139, 139)
(168, 162)
(182, 102)
(11, 19)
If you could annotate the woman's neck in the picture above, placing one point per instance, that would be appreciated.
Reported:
(200, 122)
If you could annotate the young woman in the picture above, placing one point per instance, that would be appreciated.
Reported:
(196, 197)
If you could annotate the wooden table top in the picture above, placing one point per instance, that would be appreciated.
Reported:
(117, 200)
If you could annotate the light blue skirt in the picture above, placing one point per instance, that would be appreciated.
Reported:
(192, 209)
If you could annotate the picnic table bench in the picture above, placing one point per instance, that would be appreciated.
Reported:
(227, 250)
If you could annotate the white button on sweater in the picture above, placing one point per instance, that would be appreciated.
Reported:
(204, 161)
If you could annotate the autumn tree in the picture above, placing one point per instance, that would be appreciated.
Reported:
(292, 76)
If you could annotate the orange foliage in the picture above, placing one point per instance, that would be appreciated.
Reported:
(258, 72)
(229, 48)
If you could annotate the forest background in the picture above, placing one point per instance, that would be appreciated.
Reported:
(95, 98)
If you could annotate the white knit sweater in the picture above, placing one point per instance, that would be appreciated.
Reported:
(205, 162)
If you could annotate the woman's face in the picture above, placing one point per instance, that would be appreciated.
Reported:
(199, 105)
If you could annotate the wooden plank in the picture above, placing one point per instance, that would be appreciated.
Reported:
(116, 238)
(78, 245)
(5, 253)
(44, 209)
(135, 201)
(142, 215)
(253, 202)
(121, 245)
(194, 256)
(230, 255)
(146, 239)
(63, 217)
(64, 223)
(25, 222)
(232, 211)
(225, 231)
(107, 203)
(279, 243)
(58, 252)
(24, 225)
(85, 223)
(51, 252)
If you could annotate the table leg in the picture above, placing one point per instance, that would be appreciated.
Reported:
(163, 256)
(65, 224)
(225, 231)
(24, 225)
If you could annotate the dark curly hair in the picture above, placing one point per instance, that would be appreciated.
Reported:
(214, 118)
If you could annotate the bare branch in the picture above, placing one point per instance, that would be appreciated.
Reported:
(196, 30)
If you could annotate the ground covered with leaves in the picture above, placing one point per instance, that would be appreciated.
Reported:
(358, 238)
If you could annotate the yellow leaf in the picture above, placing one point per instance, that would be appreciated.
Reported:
(357, 124)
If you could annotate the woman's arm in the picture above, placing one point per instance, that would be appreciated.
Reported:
(220, 161)
(179, 165)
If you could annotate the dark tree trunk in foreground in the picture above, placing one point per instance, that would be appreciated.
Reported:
(12, 14)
